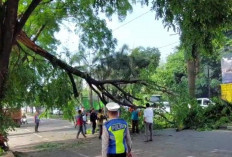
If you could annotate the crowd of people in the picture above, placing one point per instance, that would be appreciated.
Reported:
(115, 134)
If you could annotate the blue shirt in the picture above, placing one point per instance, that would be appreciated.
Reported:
(135, 115)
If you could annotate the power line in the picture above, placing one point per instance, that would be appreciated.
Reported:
(131, 20)
(138, 18)
(167, 45)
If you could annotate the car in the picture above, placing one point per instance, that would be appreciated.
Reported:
(204, 102)
(57, 111)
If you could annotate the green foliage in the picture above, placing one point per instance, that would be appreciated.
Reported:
(211, 117)
(199, 22)
(161, 123)
(1, 151)
(7, 124)
(69, 110)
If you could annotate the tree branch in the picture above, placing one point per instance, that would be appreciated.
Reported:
(38, 33)
(76, 94)
(26, 15)
(24, 39)
(125, 93)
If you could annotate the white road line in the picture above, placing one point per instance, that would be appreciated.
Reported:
(27, 130)
(83, 155)
(68, 126)
(221, 151)
(37, 135)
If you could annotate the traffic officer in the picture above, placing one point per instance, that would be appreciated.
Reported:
(116, 140)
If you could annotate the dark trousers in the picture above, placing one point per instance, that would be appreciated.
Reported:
(84, 127)
(100, 130)
(135, 126)
(116, 155)
(36, 126)
(148, 128)
(93, 127)
(80, 130)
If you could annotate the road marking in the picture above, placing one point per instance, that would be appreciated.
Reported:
(27, 130)
(221, 151)
(37, 135)
(82, 155)
(68, 126)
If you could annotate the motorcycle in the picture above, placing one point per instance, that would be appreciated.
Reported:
(3, 142)
(24, 120)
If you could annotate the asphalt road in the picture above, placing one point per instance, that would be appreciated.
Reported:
(49, 130)
(166, 143)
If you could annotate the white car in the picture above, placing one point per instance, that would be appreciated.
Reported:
(204, 102)
(57, 111)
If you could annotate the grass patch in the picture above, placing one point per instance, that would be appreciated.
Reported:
(54, 146)
(49, 146)
(74, 145)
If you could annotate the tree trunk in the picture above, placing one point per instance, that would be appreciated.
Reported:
(7, 29)
(193, 68)
(91, 98)
(191, 77)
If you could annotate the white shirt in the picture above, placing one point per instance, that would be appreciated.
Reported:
(84, 117)
(148, 115)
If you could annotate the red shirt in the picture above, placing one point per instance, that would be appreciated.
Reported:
(79, 120)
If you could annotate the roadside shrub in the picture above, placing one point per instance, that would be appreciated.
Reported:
(211, 117)
(1, 151)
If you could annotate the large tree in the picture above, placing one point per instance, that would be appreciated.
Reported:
(201, 24)
(15, 15)
(27, 30)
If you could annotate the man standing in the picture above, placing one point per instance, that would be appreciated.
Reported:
(37, 120)
(100, 118)
(116, 141)
(135, 120)
(80, 124)
(148, 121)
(93, 118)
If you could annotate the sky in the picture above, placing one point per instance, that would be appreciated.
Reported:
(140, 28)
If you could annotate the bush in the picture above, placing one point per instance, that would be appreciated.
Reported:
(1, 151)
(211, 117)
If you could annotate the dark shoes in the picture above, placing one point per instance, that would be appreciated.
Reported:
(148, 140)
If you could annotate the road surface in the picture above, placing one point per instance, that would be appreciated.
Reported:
(166, 143)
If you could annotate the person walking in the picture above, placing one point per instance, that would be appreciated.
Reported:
(148, 121)
(135, 120)
(100, 118)
(80, 124)
(93, 118)
(116, 140)
(37, 120)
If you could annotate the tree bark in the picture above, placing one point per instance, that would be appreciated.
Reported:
(7, 32)
(192, 67)
(191, 77)
(90, 98)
